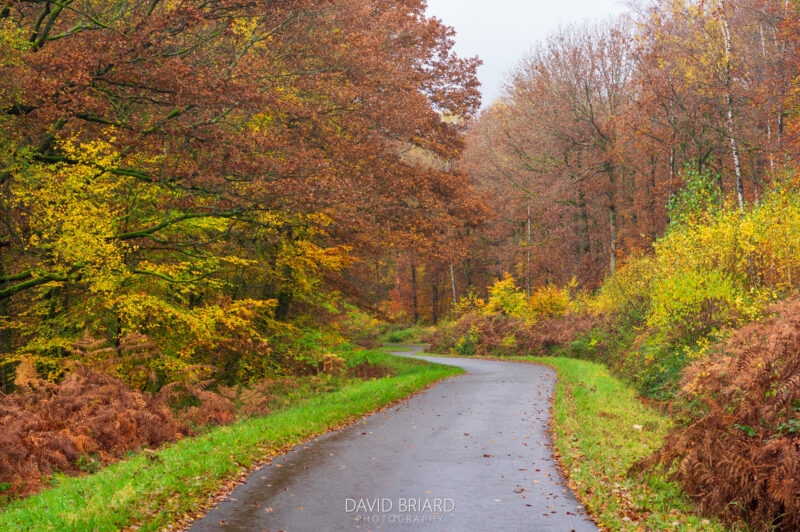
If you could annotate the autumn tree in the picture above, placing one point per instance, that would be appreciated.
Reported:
(551, 149)
(191, 170)
(599, 124)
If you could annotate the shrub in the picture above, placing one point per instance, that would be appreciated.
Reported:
(549, 301)
(410, 335)
(715, 266)
(740, 455)
(469, 303)
(690, 304)
(505, 299)
(497, 335)
(629, 290)
(467, 344)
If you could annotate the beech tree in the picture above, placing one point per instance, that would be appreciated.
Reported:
(552, 146)
(190, 170)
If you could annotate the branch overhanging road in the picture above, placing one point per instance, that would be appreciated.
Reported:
(469, 454)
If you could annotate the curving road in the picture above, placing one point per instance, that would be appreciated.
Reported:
(470, 454)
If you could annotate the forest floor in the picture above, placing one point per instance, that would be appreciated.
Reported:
(152, 490)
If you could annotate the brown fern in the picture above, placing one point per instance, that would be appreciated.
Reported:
(740, 457)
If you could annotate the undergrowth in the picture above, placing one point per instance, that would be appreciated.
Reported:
(738, 454)
(90, 419)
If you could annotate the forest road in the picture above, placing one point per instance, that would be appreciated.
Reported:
(469, 454)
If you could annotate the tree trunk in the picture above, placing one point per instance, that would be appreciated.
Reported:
(466, 265)
(612, 224)
(737, 165)
(528, 255)
(585, 245)
(731, 124)
(453, 284)
(377, 285)
(610, 170)
(414, 291)
(435, 298)
(398, 279)
(672, 172)
(770, 145)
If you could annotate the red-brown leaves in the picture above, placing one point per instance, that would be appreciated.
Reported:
(48, 428)
(741, 457)
(501, 335)
(257, 113)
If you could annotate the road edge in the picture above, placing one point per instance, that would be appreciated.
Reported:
(236, 480)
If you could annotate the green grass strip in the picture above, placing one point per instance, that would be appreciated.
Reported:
(152, 490)
(601, 429)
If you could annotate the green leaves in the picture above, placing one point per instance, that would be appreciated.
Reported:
(698, 200)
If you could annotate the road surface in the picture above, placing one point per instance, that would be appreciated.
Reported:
(470, 454)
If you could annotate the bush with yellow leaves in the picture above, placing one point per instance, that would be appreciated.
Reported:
(715, 267)
(545, 302)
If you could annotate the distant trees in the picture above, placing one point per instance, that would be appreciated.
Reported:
(598, 123)
(554, 146)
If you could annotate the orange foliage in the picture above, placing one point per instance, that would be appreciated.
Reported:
(741, 457)
(49, 427)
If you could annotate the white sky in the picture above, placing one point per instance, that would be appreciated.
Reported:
(501, 31)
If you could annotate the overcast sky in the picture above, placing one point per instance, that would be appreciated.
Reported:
(501, 31)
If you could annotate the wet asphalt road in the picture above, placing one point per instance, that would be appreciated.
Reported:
(469, 454)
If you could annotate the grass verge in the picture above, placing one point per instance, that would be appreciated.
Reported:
(600, 430)
(153, 489)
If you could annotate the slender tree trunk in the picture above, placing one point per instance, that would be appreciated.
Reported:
(466, 265)
(453, 284)
(435, 298)
(612, 224)
(585, 245)
(398, 279)
(414, 291)
(612, 215)
(737, 165)
(377, 285)
(650, 193)
(528, 254)
(757, 181)
(672, 172)
(770, 145)
(731, 124)
(771, 151)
